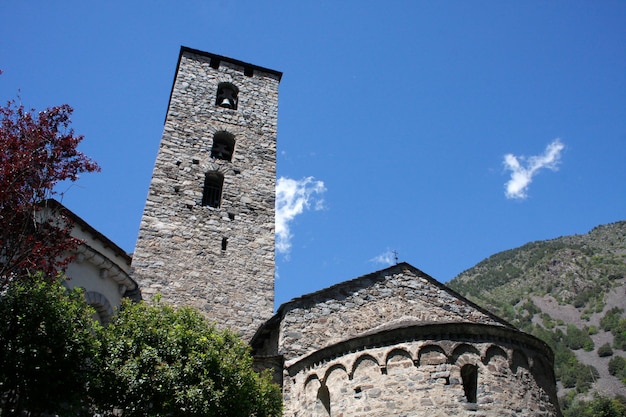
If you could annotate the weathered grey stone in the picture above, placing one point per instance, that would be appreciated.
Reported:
(409, 348)
(175, 226)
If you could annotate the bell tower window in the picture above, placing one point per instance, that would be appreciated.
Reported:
(223, 146)
(227, 95)
(212, 193)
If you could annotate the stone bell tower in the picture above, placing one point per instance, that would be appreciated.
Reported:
(207, 233)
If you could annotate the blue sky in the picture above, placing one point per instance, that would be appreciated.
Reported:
(446, 131)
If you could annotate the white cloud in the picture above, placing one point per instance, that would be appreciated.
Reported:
(292, 198)
(386, 258)
(522, 176)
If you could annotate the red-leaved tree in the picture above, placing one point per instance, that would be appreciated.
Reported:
(37, 151)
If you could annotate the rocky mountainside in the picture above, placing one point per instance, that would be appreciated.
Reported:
(570, 292)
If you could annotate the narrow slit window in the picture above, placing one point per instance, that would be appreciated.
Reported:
(223, 146)
(469, 375)
(227, 96)
(212, 193)
(224, 243)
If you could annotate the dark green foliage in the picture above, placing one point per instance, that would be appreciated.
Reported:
(617, 368)
(508, 312)
(583, 297)
(576, 338)
(593, 295)
(47, 345)
(616, 365)
(586, 376)
(161, 361)
(619, 335)
(605, 350)
(150, 361)
(598, 407)
(548, 322)
(611, 319)
(577, 375)
(574, 269)
(568, 369)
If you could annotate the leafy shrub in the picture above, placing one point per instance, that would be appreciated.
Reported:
(591, 296)
(576, 338)
(568, 379)
(580, 300)
(605, 350)
(619, 335)
(573, 374)
(162, 361)
(598, 407)
(611, 319)
(548, 322)
(617, 367)
(585, 376)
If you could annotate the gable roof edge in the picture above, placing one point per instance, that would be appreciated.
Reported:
(379, 275)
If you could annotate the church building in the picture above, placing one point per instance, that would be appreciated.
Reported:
(395, 342)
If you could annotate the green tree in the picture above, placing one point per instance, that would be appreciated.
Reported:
(161, 361)
(47, 346)
(576, 338)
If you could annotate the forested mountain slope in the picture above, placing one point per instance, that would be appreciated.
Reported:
(570, 292)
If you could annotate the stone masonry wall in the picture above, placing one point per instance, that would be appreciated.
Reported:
(389, 297)
(425, 378)
(179, 251)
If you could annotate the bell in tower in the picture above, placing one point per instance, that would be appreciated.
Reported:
(227, 96)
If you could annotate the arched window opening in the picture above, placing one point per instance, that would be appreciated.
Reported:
(102, 306)
(227, 96)
(323, 400)
(223, 146)
(469, 375)
(212, 193)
